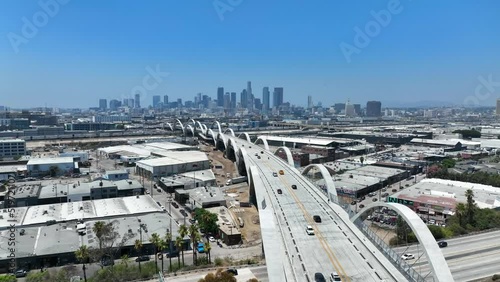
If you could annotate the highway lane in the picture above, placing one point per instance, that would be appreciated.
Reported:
(469, 257)
(330, 249)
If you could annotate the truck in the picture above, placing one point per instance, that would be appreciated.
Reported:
(236, 180)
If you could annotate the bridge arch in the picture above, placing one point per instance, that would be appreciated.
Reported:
(230, 130)
(200, 125)
(435, 257)
(331, 191)
(190, 129)
(242, 164)
(244, 134)
(232, 150)
(169, 125)
(213, 135)
(221, 140)
(288, 154)
(218, 125)
(263, 140)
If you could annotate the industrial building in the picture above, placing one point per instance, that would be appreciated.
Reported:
(188, 180)
(202, 197)
(174, 163)
(229, 231)
(437, 198)
(77, 156)
(35, 194)
(54, 166)
(12, 148)
(114, 175)
(48, 235)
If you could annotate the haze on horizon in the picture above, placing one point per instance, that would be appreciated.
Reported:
(394, 51)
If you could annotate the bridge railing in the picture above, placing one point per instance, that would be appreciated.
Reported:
(390, 254)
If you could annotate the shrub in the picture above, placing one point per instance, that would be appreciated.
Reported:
(8, 278)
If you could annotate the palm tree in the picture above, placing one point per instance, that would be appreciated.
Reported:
(460, 211)
(183, 232)
(161, 247)
(98, 230)
(82, 255)
(168, 244)
(469, 194)
(138, 248)
(208, 248)
(155, 239)
(179, 244)
(193, 234)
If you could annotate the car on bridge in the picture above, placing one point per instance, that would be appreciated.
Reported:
(407, 256)
(280, 191)
(319, 277)
(335, 277)
(294, 186)
(317, 218)
(442, 244)
(309, 230)
(275, 174)
(282, 172)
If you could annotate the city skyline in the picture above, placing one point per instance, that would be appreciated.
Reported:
(181, 49)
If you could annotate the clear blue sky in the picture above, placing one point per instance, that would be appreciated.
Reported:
(91, 49)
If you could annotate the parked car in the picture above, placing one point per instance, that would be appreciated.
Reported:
(361, 206)
(200, 248)
(353, 203)
(21, 273)
(233, 271)
(142, 258)
(374, 199)
(211, 239)
(175, 205)
(172, 254)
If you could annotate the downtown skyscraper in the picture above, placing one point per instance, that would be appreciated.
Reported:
(277, 96)
(265, 99)
(220, 97)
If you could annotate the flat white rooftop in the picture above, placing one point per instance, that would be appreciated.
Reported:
(174, 158)
(42, 161)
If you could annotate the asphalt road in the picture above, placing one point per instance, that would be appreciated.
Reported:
(334, 247)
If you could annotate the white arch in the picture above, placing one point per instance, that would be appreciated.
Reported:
(194, 122)
(218, 125)
(179, 122)
(190, 128)
(214, 137)
(223, 137)
(246, 136)
(288, 153)
(200, 125)
(232, 143)
(436, 259)
(331, 191)
(170, 126)
(230, 130)
(264, 141)
(244, 155)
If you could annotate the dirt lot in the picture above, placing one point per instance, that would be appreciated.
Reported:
(251, 229)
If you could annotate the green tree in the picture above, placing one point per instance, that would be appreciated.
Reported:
(470, 206)
(83, 255)
(99, 230)
(183, 232)
(219, 276)
(138, 247)
(208, 248)
(194, 235)
(460, 212)
(155, 240)
(207, 221)
(179, 244)
(168, 244)
(125, 260)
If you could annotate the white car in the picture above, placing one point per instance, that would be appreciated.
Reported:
(335, 277)
(309, 230)
(407, 256)
(211, 239)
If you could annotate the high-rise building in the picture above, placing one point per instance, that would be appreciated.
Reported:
(257, 104)
(309, 102)
(233, 100)
(137, 101)
(220, 97)
(250, 96)
(277, 96)
(165, 100)
(349, 109)
(156, 101)
(265, 99)
(339, 107)
(357, 109)
(227, 100)
(244, 99)
(179, 103)
(205, 101)
(373, 109)
(114, 104)
(103, 104)
(498, 107)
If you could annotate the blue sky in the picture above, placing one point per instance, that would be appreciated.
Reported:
(427, 51)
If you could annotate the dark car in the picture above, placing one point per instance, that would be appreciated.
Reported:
(294, 186)
(353, 203)
(361, 206)
(233, 271)
(172, 254)
(317, 218)
(107, 261)
(280, 192)
(175, 205)
(362, 198)
(21, 273)
(142, 258)
(442, 244)
(374, 199)
(318, 277)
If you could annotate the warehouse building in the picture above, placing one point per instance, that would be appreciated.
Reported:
(51, 166)
(174, 163)
(12, 148)
(188, 180)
